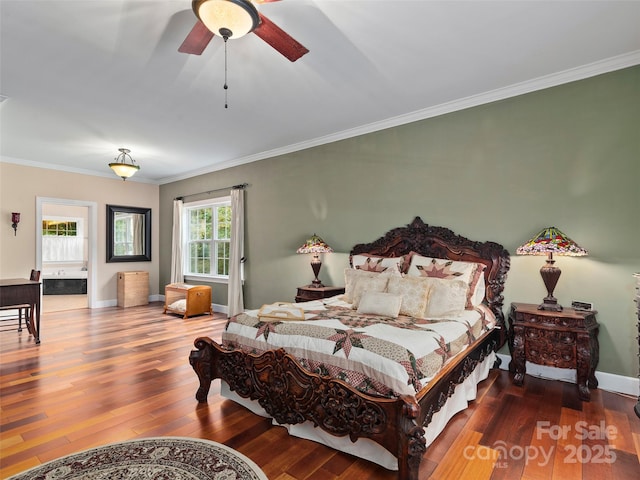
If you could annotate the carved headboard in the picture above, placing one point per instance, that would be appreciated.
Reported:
(441, 242)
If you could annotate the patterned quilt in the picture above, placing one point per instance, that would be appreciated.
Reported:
(377, 355)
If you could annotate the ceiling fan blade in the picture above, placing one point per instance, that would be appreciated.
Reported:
(197, 40)
(279, 39)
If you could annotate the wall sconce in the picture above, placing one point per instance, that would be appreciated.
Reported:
(15, 220)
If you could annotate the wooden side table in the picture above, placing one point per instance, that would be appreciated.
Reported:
(564, 339)
(307, 293)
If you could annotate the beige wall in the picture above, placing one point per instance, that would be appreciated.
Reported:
(567, 157)
(19, 187)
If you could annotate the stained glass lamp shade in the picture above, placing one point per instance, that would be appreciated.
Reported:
(547, 242)
(315, 245)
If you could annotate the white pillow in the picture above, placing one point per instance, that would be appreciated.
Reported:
(353, 289)
(414, 292)
(179, 306)
(478, 293)
(380, 303)
(377, 283)
(371, 263)
(468, 272)
(448, 298)
(351, 277)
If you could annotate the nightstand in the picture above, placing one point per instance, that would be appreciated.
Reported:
(564, 339)
(306, 293)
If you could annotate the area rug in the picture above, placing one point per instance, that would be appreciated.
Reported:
(158, 458)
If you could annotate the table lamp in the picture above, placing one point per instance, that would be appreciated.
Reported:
(547, 242)
(315, 245)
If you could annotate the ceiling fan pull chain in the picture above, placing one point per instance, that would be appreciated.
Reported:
(226, 87)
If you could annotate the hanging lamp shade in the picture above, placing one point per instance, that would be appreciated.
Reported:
(123, 165)
(229, 18)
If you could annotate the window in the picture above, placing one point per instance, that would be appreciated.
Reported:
(59, 228)
(207, 238)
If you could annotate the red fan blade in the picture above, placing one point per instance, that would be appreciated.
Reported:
(197, 40)
(279, 39)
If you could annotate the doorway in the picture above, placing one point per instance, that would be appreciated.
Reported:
(66, 252)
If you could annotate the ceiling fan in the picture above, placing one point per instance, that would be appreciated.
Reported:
(233, 19)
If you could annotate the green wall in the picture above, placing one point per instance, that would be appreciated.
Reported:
(568, 156)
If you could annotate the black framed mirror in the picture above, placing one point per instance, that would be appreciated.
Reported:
(128, 234)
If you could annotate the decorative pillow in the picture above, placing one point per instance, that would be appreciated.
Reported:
(478, 293)
(414, 292)
(380, 303)
(447, 297)
(371, 263)
(377, 283)
(468, 272)
(351, 277)
(179, 306)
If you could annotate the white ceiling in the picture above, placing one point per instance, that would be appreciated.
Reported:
(83, 78)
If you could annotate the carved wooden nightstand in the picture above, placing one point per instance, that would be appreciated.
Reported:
(306, 293)
(565, 339)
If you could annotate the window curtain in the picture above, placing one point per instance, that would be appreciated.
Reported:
(176, 243)
(235, 300)
(60, 249)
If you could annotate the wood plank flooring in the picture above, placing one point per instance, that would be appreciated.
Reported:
(113, 374)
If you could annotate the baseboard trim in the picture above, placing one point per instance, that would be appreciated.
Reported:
(157, 298)
(606, 381)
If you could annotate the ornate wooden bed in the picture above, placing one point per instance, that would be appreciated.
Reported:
(292, 395)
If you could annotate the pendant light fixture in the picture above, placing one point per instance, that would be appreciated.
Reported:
(124, 166)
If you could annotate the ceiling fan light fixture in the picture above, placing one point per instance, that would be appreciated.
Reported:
(124, 166)
(237, 17)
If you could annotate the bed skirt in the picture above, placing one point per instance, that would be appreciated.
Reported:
(366, 448)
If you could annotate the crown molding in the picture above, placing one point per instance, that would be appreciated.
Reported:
(579, 73)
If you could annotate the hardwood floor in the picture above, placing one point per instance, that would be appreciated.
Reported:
(113, 374)
(59, 303)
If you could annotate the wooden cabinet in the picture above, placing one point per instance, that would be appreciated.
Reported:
(187, 300)
(306, 294)
(133, 289)
(564, 339)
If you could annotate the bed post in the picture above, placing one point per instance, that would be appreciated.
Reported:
(201, 361)
(412, 444)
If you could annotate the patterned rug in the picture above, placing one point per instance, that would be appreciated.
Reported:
(161, 458)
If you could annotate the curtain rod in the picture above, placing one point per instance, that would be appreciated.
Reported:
(240, 186)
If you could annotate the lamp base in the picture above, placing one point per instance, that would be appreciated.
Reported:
(315, 266)
(550, 275)
(550, 304)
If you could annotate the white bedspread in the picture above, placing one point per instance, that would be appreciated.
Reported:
(377, 355)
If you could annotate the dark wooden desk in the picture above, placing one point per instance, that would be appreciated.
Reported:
(19, 291)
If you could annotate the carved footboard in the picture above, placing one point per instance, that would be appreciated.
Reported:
(292, 395)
